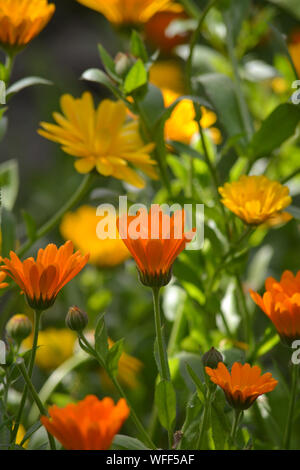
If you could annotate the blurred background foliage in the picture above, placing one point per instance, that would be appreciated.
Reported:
(44, 177)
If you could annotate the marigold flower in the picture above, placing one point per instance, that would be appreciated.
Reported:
(243, 385)
(101, 138)
(22, 20)
(2, 279)
(81, 227)
(181, 125)
(281, 303)
(294, 49)
(130, 11)
(157, 244)
(55, 346)
(156, 30)
(41, 280)
(255, 199)
(91, 424)
(168, 74)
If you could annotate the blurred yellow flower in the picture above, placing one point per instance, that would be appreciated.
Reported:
(167, 74)
(80, 227)
(256, 199)
(279, 85)
(55, 346)
(130, 11)
(181, 126)
(22, 20)
(294, 49)
(101, 138)
(20, 436)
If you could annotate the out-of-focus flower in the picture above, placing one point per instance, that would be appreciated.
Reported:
(154, 240)
(129, 12)
(101, 138)
(20, 436)
(128, 370)
(243, 385)
(2, 279)
(279, 85)
(91, 424)
(167, 74)
(294, 49)
(182, 126)
(281, 303)
(81, 227)
(55, 346)
(22, 20)
(255, 199)
(18, 327)
(41, 280)
(156, 30)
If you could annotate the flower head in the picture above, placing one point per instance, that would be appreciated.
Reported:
(294, 49)
(43, 278)
(91, 424)
(154, 240)
(281, 303)
(101, 138)
(81, 227)
(243, 385)
(55, 346)
(168, 74)
(255, 199)
(18, 327)
(2, 279)
(130, 11)
(22, 20)
(181, 125)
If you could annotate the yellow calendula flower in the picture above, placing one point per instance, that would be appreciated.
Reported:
(130, 11)
(20, 436)
(101, 138)
(81, 227)
(181, 126)
(22, 20)
(55, 347)
(167, 74)
(256, 199)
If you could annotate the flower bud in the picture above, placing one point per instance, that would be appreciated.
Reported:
(76, 319)
(19, 327)
(123, 63)
(212, 358)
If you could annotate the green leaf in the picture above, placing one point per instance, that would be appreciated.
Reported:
(108, 63)
(292, 6)
(8, 231)
(219, 90)
(30, 225)
(25, 83)
(152, 105)
(3, 123)
(275, 129)
(9, 183)
(123, 442)
(165, 400)
(137, 47)
(98, 76)
(235, 13)
(199, 385)
(136, 77)
(113, 356)
(2, 92)
(182, 148)
(30, 432)
(101, 339)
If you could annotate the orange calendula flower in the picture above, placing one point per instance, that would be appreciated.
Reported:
(181, 125)
(91, 424)
(281, 303)
(256, 199)
(294, 49)
(2, 279)
(81, 227)
(243, 385)
(22, 20)
(129, 11)
(43, 278)
(101, 138)
(154, 240)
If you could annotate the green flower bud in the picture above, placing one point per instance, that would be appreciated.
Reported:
(212, 358)
(19, 327)
(76, 319)
(123, 63)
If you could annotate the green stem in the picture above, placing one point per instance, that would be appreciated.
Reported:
(164, 371)
(289, 423)
(190, 8)
(52, 223)
(246, 313)
(9, 63)
(37, 317)
(235, 424)
(204, 420)
(122, 393)
(36, 398)
(290, 176)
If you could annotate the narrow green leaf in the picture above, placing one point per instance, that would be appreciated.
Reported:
(101, 339)
(8, 231)
(9, 183)
(137, 47)
(30, 225)
(25, 83)
(136, 77)
(108, 63)
(123, 442)
(199, 385)
(165, 400)
(113, 356)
